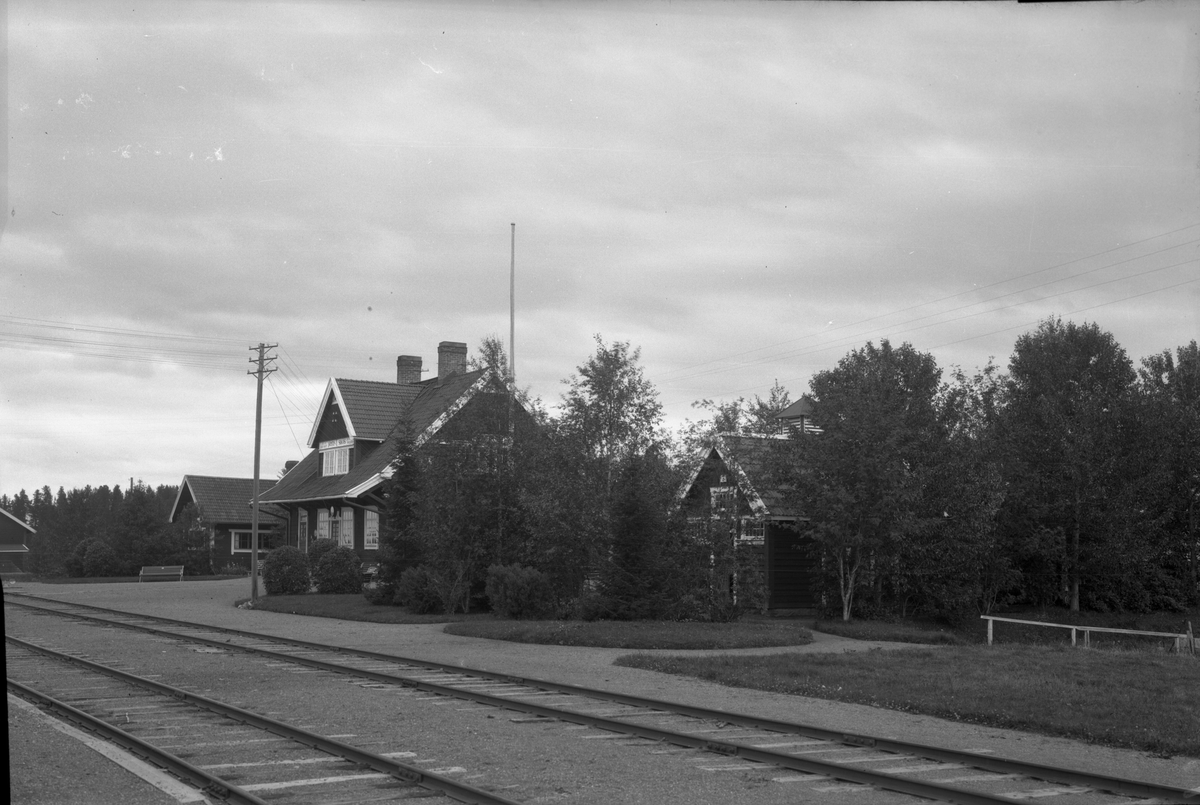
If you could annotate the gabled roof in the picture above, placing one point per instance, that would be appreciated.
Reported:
(430, 404)
(224, 500)
(370, 408)
(747, 457)
(18, 521)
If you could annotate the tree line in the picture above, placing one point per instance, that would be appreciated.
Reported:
(1070, 477)
(104, 531)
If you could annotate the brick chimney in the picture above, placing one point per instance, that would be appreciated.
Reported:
(452, 359)
(408, 369)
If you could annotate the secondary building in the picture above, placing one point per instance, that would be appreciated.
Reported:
(14, 542)
(730, 480)
(224, 512)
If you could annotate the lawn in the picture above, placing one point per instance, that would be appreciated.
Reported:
(896, 632)
(639, 634)
(1142, 700)
(351, 607)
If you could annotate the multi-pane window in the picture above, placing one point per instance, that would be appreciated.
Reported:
(322, 524)
(345, 534)
(754, 529)
(335, 462)
(723, 499)
(371, 530)
(302, 530)
(335, 456)
(242, 541)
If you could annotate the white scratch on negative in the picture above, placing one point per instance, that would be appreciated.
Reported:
(431, 67)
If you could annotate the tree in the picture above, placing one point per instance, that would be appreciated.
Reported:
(961, 567)
(861, 482)
(610, 408)
(640, 580)
(748, 418)
(1170, 385)
(1063, 423)
(610, 415)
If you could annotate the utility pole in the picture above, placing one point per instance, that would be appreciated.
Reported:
(512, 308)
(261, 372)
(512, 329)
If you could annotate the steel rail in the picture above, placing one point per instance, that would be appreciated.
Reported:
(208, 784)
(401, 771)
(1112, 784)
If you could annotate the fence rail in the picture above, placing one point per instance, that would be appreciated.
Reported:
(1181, 639)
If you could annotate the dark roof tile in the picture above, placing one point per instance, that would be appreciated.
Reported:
(225, 500)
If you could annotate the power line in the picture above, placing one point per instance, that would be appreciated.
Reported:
(941, 299)
(1032, 323)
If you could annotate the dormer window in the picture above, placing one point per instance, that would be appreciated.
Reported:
(335, 456)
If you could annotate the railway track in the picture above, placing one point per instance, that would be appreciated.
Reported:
(147, 717)
(819, 754)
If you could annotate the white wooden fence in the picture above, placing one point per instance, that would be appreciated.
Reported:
(1187, 639)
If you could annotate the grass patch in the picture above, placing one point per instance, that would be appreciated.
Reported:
(350, 607)
(897, 632)
(638, 634)
(1138, 700)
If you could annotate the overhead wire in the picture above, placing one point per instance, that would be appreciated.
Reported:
(1025, 324)
(902, 327)
(691, 375)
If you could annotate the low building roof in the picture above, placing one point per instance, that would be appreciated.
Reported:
(18, 521)
(224, 500)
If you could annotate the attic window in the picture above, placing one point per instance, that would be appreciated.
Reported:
(335, 456)
(722, 499)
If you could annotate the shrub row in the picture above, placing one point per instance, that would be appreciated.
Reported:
(327, 566)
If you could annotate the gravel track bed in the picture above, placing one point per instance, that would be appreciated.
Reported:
(529, 755)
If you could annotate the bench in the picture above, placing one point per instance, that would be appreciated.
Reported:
(161, 573)
(368, 571)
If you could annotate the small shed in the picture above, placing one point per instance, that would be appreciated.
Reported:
(225, 508)
(730, 477)
(14, 542)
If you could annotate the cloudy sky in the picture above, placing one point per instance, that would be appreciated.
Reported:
(745, 190)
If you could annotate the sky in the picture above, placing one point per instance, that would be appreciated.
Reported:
(746, 191)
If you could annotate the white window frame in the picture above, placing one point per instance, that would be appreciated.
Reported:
(322, 523)
(370, 530)
(335, 461)
(346, 527)
(725, 495)
(302, 530)
(753, 530)
(233, 540)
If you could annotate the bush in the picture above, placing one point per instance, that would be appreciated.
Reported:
(99, 560)
(381, 593)
(317, 549)
(418, 590)
(338, 571)
(74, 562)
(234, 569)
(519, 592)
(589, 606)
(285, 572)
